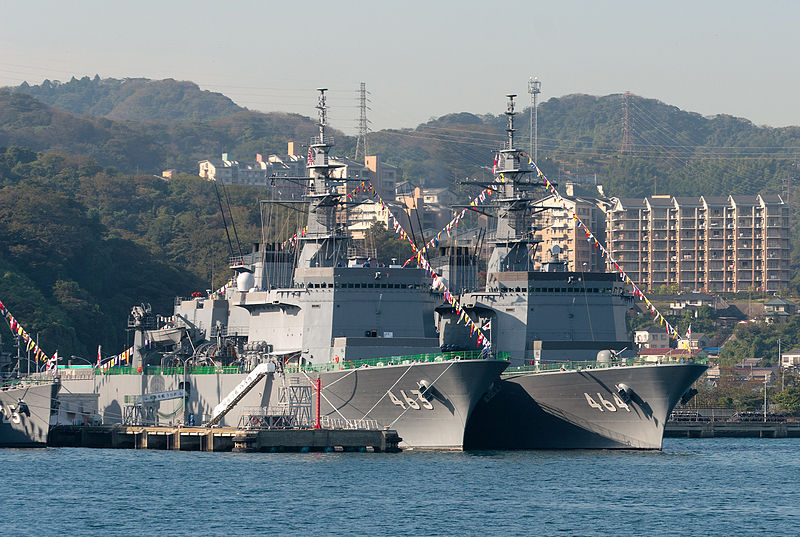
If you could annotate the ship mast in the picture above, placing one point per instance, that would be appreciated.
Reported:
(324, 240)
(514, 235)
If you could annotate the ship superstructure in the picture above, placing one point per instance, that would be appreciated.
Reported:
(536, 315)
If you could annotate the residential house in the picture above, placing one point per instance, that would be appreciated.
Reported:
(651, 338)
(790, 359)
(778, 309)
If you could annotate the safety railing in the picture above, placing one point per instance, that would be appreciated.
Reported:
(593, 364)
(398, 360)
(328, 366)
(157, 370)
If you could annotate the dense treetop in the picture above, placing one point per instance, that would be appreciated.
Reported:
(133, 99)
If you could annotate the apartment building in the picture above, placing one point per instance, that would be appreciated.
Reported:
(228, 171)
(722, 244)
(556, 226)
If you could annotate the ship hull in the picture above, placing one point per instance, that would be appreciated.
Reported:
(580, 409)
(387, 396)
(26, 425)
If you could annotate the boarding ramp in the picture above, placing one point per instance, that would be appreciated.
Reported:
(236, 395)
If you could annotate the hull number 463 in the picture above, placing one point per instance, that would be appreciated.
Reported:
(416, 402)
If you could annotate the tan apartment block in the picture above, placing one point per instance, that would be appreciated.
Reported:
(556, 226)
(708, 243)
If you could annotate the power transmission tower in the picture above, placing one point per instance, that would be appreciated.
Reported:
(363, 124)
(534, 88)
(626, 126)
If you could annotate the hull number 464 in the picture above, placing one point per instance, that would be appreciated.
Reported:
(605, 404)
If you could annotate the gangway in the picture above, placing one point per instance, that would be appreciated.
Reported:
(230, 400)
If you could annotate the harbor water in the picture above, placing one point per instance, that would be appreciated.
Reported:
(719, 486)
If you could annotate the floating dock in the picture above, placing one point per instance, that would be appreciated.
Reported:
(731, 429)
(224, 438)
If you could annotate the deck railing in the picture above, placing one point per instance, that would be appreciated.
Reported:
(397, 360)
(593, 364)
(332, 366)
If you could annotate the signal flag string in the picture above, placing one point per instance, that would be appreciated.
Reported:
(637, 292)
(17, 330)
(438, 283)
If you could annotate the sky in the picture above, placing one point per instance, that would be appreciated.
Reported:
(422, 59)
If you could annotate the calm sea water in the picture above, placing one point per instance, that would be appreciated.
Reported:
(692, 487)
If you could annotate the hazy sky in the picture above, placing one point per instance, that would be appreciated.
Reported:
(421, 59)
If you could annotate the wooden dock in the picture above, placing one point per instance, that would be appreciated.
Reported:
(731, 429)
(224, 438)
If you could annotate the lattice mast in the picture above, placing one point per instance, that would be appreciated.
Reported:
(363, 124)
(626, 124)
(534, 88)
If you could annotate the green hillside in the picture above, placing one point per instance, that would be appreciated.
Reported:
(132, 99)
(140, 125)
(79, 245)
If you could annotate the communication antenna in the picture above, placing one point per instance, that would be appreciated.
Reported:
(510, 115)
(626, 126)
(363, 124)
(534, 88)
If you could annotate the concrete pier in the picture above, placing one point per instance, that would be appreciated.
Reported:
(224, 438)
(728, 429)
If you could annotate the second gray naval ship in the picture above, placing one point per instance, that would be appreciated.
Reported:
(25, 408)
(568, 386)
(305, 329)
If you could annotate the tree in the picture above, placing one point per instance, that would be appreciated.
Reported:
(387, 244)
(789, 399)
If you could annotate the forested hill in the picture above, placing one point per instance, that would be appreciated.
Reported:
(671, 151)
(80, 245)
(133, 99)
(146, 126)
(146, 146)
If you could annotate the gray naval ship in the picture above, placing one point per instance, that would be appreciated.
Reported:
(568, 386)
(308, 336)
(27, 399)
(25, 410)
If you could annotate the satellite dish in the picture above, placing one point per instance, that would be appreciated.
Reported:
(556, 249)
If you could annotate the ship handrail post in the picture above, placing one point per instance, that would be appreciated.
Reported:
(318, 389)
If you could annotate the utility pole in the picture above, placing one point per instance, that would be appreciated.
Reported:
(534, 88)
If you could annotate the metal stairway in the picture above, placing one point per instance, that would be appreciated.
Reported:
(230, 400)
